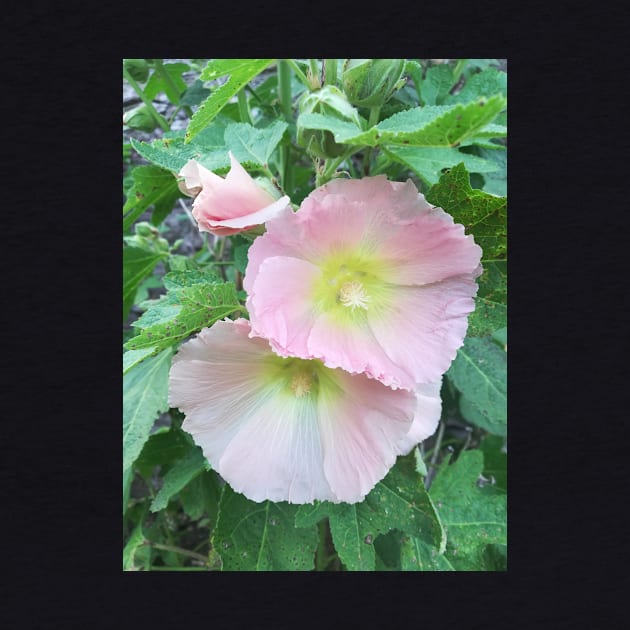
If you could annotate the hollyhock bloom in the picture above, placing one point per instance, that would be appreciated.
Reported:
(368, 277)
(231, 205)
(288, 429)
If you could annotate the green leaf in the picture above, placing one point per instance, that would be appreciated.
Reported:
(163, 448)
(479, 372)
(133, 357)
(153, 186)
(208, 148)
(487, 83)
(387, 551)
(429, 162)
(241, 72)
(490, 311)
(417, 555)
(157, 83)
(193, 301)
(431, 126)
(473, 518)
(194, 94)
(397, 502)
(436, 84)
(261, 536)
(137, 265)
(182, 473)
(241, 248)
(145, 389)
(495, 181)
(483, 215)
(253, 146)
(201, 496)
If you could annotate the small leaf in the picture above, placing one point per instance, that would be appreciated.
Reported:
(137, 265)
(479, 372)
(262, 536)
(487, 83)
(157, 83)
(241, 72)
(184, 471)
(253, 146)
(144, 398)
(193, 301)
(436, 84)
(152, 186)
(201, 496)
(163, 448)
(135, 542)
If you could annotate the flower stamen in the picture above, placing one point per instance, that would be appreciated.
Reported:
(353, 295)
(301, 384)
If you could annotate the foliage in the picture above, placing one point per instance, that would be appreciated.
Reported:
(442, 124)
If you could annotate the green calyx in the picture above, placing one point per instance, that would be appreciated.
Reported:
(371, 82)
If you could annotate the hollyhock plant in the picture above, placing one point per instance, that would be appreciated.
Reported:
(231, 205)
(288, 429)
(368, 277)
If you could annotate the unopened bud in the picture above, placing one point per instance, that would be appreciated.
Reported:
(371, 82)
(138, 69)
(140, 118)
(329, 101)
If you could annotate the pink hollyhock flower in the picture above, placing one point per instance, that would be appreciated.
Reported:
(288, 429)
(368, 277)
(231, 205)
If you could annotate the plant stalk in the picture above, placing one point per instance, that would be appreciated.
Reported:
(147, 101)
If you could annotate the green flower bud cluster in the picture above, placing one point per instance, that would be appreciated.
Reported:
(148, 237)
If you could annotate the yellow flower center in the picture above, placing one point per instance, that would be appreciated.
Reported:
(301, 383)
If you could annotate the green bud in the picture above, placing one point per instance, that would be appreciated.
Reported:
(371, 82)
(137, 68)
(146, 229)
(329, 101)
(140, 118)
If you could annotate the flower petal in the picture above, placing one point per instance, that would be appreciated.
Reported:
(427, 417)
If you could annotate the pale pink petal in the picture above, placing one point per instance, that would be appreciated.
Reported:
(361, 433)
(281, 298)
(427, 417)
(255, 218)
(423, 326)
(427, 250)
(195, 177)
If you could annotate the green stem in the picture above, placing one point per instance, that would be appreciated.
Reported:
(330, 71)
(298, 72)
(146, 100)
(243, 108)
(374, 112)
(434, 457)
(284, 89)
(315, 72)
(321, 557)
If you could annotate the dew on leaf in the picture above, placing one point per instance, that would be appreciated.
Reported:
(225, 545)
(273, 521)
(368, 539)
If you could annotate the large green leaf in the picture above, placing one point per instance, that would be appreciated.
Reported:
(479, 372)
(397, 502)
(432, 126)
(182, 473)
(145, 389)
(153, 186)
(428, 162)
(483, 215)
(163, 448)
(137, 265)
(201, 496)
(417, 555)
(473, 517)
(253, 146)
(262, 536)
(208, 148)
(490, 311)
(133, 357)
(240, 71)
(194, 300)
(495, 460)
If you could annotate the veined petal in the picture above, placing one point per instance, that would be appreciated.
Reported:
(422, 327)
(427, 416)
